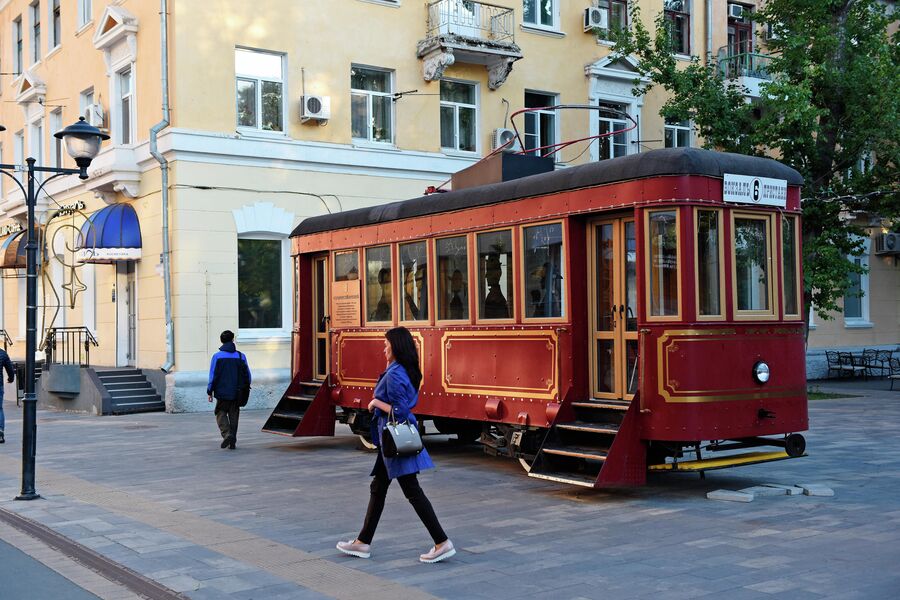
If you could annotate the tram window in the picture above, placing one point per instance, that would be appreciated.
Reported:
(452, 279)
(544, 271)
(789, 256)
(346, 266)
(709, 263)
(663, 273)
(495, 275)
(378, 284)
(414, 276)
(751, 263)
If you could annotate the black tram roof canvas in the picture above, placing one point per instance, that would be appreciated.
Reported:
(655, 163)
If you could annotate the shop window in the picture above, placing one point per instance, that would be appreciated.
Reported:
(790, 266)
(709, 263)
(495, 275)
(260, 89)
(544, 285)
(414, 278)
(662, 236)
(260, 283)
(379, 305)
(371, 105)
(452, 278)
(753, 279)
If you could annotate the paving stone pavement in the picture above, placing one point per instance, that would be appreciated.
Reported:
(155, 493)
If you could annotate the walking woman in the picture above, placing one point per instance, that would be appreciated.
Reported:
(398, 389)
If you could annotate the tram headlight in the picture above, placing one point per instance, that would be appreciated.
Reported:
(761, 372)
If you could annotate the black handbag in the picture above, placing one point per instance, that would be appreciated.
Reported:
(399, 440)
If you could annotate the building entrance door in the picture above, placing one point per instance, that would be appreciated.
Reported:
(321, 295)
(126, 314)
(613, 307)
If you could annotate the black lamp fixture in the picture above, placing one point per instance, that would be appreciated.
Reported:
(82, 143)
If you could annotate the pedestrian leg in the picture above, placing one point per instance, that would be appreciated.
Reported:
(377, 493)
(416, 496)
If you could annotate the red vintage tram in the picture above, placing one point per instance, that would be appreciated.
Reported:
(641, 313)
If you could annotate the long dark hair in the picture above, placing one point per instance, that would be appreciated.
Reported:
(405, 353)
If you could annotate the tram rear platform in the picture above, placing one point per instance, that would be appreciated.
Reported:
(153, 492)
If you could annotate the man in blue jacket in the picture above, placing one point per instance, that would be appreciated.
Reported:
(229, 381)
(5, 363)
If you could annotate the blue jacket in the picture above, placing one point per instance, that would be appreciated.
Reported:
(395, 388)
(228, 372)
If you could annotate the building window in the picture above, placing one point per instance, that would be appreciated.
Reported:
(662, 236)
(260, 89)
(856, 298)
(459, 116)
(36, 144)
(678, 21)
(378, 284)
(56, 156)
(540, 125)
(541, 13)
(495, 275)
(371, 105)
(126, 106)
(617, 19)
(709, 263)
(17, 45)
(35, 32)
(84, 12)
(677, 133)
(259, 283)
(611, 119)
(544, 268)
(414, 278)
(55, 24)
(19, 151)
(452, 278)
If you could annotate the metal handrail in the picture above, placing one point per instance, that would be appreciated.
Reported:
(7, 341)
(744, 64)
(471, 19)
(68, 346)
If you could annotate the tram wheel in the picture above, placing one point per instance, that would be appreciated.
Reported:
(795, 445)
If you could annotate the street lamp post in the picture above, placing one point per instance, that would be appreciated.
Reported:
(82, 143)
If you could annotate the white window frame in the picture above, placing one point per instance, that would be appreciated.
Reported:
(121, 95)
(19, 150)
(54, 40)
(57, 153)
(862, 321)
(456, 106)
(85, 13)
(36, 143)
(537, 25)
(257, 129)
(18, 45)
(85, 99)
(554, 100)
(34, 10)
(675, 128)
(286, 300)
(598, 117)
(689, 9)
(369, 94)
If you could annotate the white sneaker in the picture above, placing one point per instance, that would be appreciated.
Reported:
(355, 549)
(434, 555)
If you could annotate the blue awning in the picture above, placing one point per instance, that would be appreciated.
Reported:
(110, 235)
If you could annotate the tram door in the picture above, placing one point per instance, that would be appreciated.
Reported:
(613, 302)
(320, 316)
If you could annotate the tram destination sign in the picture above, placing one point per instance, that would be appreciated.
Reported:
(747, 189)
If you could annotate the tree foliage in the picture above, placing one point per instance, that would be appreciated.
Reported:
(831, 106)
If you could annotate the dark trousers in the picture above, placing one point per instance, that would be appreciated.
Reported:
(413, 492)
(227, 414)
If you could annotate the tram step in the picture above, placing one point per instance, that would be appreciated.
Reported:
(289, 414)
(596, 454)
(280, 430)
(569, 478)
(301, 397)
(584, 426)
(604, 404)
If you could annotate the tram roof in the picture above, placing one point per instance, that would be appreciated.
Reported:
(655, 163)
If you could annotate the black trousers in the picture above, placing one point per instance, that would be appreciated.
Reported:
(228, 412)
(413, 492)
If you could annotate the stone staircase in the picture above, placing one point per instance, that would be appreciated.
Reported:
(129, 392)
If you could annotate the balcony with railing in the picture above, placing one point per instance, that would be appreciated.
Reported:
(470, 32)
(747, 69)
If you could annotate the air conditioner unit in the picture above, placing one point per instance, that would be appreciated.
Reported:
(887, 243)
(315, 108)
(596, 18)
(93, 114)
(735, 11)
(503, 136)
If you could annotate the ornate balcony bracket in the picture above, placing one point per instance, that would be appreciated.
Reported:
(439, 53)
(435, 63)
(498, 71)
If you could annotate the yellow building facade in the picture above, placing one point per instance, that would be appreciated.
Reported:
(280, 110)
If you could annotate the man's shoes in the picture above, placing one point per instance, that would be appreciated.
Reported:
(2, 439)
(231, 443)
(434, 555)
(353, 548)
(225, 442)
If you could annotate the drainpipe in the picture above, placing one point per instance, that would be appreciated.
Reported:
(709, 47)
(164, 176)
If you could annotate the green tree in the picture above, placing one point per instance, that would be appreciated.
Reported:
(831, 105)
